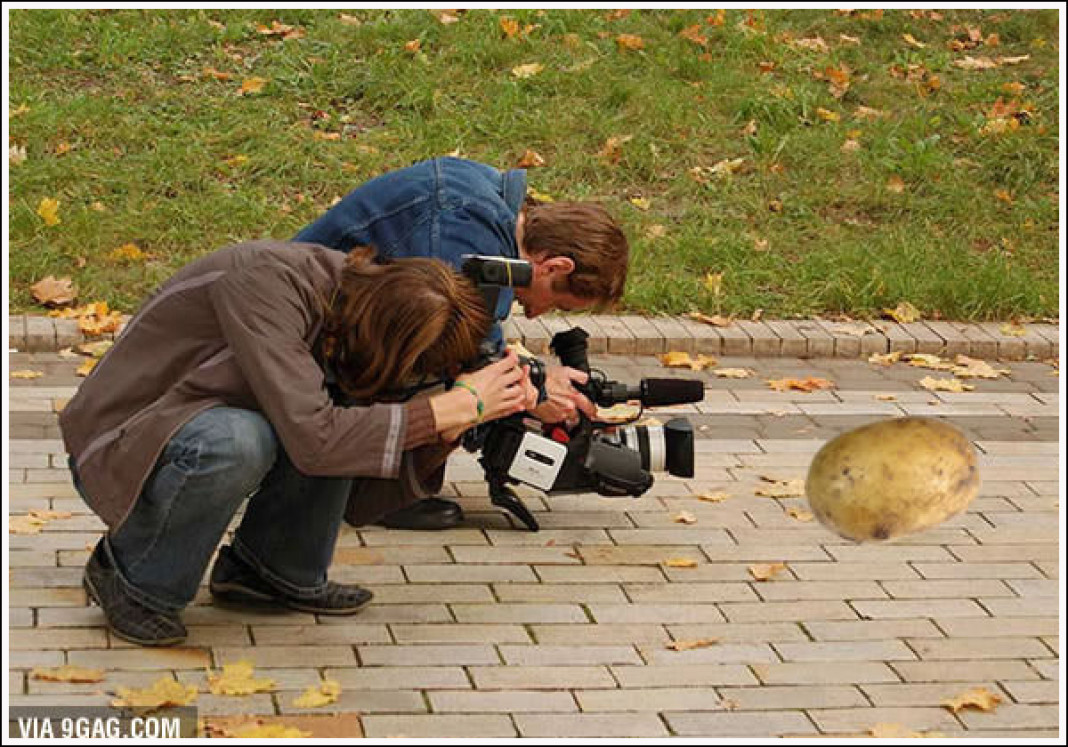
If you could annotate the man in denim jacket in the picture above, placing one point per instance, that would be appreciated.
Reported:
(448, 207)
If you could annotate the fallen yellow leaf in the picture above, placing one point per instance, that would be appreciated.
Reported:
(807, 384)
(886, 397)
(68, 673)
(732, 373)
(766, 571)
(975, 63)
(897, 731)
(413, 46)
(714, 283)
(895, 184)
(971, 368)
(827, 115)
(690, 645)
(642, 203)
(800, 514)
(26, 374)
(129, 252)
(676, 359)
(680, 563)
(317, 696)
(885, 359)
(715, 320)
(164, 693)
(717, 497)
(25, 525)
(527, 71)
(979, 698)
(913, 42)
(612, 150)
(87, 367)
(252, 85)
(530, 159)
(945, 385)
(781, 488)
(48, 209)
(928, 360)
(237, 679)
(904, 312)
(630, 41)
(1012, 329)
(685, 517)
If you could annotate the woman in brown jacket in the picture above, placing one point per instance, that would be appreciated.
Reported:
(228, 385)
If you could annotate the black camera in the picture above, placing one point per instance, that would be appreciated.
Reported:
(591, 456)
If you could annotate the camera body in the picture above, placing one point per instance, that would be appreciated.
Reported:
(591, 456)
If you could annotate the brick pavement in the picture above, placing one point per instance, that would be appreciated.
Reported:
(490, 631)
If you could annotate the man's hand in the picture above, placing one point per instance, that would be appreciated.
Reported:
(564, 400)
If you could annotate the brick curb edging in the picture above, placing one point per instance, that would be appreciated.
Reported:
(637, 335)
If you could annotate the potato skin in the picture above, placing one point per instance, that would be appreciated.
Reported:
(891, 478)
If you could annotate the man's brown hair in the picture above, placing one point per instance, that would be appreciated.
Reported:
(390, 321)
(585, 232)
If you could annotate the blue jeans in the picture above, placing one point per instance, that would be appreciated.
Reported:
(207, 470)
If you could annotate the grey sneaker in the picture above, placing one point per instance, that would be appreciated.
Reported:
(233, 581)
(125, 616)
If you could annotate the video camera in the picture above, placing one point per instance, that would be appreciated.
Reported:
(605, 458)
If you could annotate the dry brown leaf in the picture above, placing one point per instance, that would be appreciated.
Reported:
(164, 693)
(886, 397)
(237, 679)
(781, 488)
(766, 571)
(945, 385)
(691, 645)
(1013, 60)
(972, 368)
(693, 34)
(528, 70)
(26, 373)
(717, 497)
(251, 86)
(814, 44)
(678, 359)
(612, 150)
(685, 517)
(800, 514)
(630, 41)
(16, 155)
(95, 349)
(895, 184)
(530, 159)
(281, 30)
(903, 313)
(68, 673)
(680, 563)
(979, 698)
(866, 112)
(807, 384)
(447, 17)
(928, 360)
(975, 63)
(912, 41)
(413, 46)
(53, 291)
(732, 373)
(49, 515)
(885, 359)
(850, 146)
(726, 167)
(847, 39)
(715, 320)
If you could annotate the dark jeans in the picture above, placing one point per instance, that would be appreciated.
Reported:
(207, 470)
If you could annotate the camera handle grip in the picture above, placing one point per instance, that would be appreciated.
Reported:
(504, 497)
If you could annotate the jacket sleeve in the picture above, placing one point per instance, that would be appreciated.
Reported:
(267, 312)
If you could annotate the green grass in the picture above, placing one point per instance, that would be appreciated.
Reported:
(149, 136)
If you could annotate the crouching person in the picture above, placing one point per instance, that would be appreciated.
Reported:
(225, 387)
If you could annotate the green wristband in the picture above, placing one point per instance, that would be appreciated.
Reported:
(479, 407)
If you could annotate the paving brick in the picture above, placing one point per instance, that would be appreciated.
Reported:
(820, 342)
(927, 341)
(362, 701)
(46, 597)
(969, 588)
(875, 610)
(976, 570)
(145, 658)
(599, 634)
(570, 656)
(845, 651)
(1031, 607)
(636, 554)
(706, 338)
(436, 725)
(573, 593)
(534, 335)
(655, 613)
(875, 630)
(720, 653)
(694, 593)
(315, 635)
(816, 572)
(465, 573)
(921, 694)
(607, 574)
(627, 725)
(792, 343)
(823, 673)
(40, 334)
(395, 613)
(510, 701)
(647, 338)
(1045, 691)
(736, 341)
(676, 336)
(32, 659)
(984, 627)
(1013, 716)
(516, 554)
(764, 552)
(541, 678)
(720, 725)
(425, 656)
(963, 671)
(786, 590)
(793, 697)
(888, 553)
(853, 720)
(748, 632)
(620, 339)
(400, 678)
(431, 593)
(652, 699)
(778, 611)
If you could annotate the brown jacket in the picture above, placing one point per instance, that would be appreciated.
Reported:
(236, 328)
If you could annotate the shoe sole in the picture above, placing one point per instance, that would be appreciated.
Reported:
(241, 596)
(94, 597)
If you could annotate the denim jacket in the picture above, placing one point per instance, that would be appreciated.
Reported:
(443, 208)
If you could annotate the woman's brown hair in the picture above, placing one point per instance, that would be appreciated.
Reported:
(392, 320)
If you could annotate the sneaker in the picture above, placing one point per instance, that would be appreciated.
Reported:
(233, 581)
(126, 617)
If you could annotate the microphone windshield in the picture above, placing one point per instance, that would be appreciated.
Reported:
(664, 392)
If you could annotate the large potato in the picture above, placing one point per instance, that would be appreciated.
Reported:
(892, 478)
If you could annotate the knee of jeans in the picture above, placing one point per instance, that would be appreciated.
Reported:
(245, 442)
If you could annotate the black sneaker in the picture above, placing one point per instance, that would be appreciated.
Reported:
(233, 581)
(427, 514)
(125, 616)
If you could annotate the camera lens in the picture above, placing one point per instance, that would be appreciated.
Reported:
(663, 448)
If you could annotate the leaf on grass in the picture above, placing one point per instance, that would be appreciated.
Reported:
(164, 693)
(850, 146)
(715, 320)
(53, 291)
(685, 517)
(693, 34)
(680, 563)
(280, 29)
(813, 44)
(691, 645)
(349, 20)
(656, 231)
(676, 359)
(885, 359)
(16, 155)
(129, 252)
(979, 698)
(972, 368)
(317, 696)
(945, 385)
(912, 41)
(68, 673)
(732, 373)
(727, 166)
(237, 679)
(866, 112)
(895, 184)
(903, 313)
(1012, 329)
(26, 373)
(1013, 60)
(807, 384)
(714, 283)
(642, 203)
(48, 209)
(766, 571)
(827, 115)
(446, 16)
(527, 71)
(781, 488)
(530, 159)
(251, 86)
(975, 63)
(800, 514)
(612, 150)
(630, 41)
(413, 46)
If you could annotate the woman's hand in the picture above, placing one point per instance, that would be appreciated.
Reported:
(502, 387)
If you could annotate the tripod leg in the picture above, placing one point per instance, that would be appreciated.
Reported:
(504, 497)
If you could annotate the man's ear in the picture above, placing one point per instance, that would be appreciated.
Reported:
(562, 266)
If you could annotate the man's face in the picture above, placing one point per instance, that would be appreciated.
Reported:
(541, 296)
